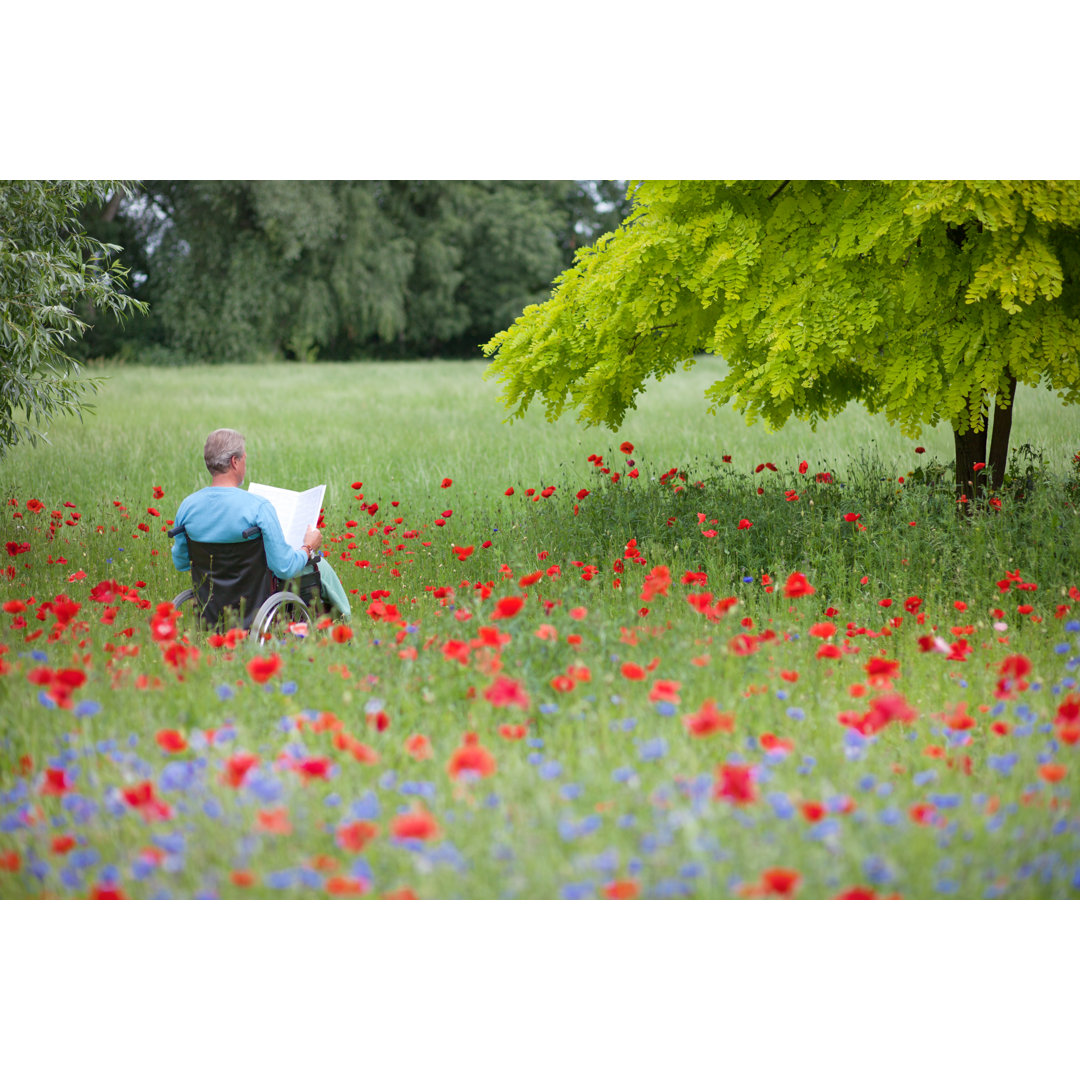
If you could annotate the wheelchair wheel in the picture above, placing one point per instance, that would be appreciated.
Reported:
(283, 618)
(182, 597)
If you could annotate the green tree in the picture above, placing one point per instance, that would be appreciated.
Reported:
(235, 270)
(926, 301)
(53, 278)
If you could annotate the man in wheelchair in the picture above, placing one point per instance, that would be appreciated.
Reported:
(232, 542)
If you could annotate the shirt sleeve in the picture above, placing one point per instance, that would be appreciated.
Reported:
(285, 562)
(180, 557)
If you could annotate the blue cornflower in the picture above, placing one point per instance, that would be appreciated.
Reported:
(548, 708)
(623, 775)
(607, 862)
(629, 724)
(781, 695)
(534, 743)
(178, 776)
(212, 809)
(366, 808)
(289, 687)
(87, 708)
(71, 878)
(824, 829)
(424, 788)
(668, 888)
(945, 802)
(550, 770)
(795, 714)
(1062, 648)
(388, 780)
(280, 879)
(309, 878)
(781, 804)
(570, 791)
(876, 870)
(1073, 626)
(1003, 763)
(890, 816)
(577, 890)
(626, 821)
(665, 708)
(867, 783)
(224, 693)
(807, 766)
(653, 749)
(82, 858)
(263, 786)
(174, 843)
(747, 579)
(927, 776)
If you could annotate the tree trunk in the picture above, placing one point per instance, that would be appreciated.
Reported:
(109, 211)
(999, 443)
(970, 451)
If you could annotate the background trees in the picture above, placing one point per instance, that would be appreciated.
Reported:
(925, 301)
(54, 280)
(235, 270)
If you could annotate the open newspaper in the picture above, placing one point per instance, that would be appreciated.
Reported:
(296, 510)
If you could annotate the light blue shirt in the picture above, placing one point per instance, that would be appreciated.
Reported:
(220, 515)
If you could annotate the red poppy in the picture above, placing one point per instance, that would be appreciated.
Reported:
(446, 482)
(735, 783)
(859, 892)
(707, 720)
(418, 747)
(505, 691)
(744, 523)
(470, 758)
(797, 585)
(507, 607)
(274, 821)
(237, 767)
(415, 825)
(626, 448)
(172, 742)
(341, 633)
(1052, 773)
(264, 668)
(513, 731)
(632, 671)
(621, 890)
(779, 881)
(657, 582)
(356, 836)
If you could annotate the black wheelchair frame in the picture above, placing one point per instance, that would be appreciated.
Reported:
(231, 583)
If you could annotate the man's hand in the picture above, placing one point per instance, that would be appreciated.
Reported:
(312, 539)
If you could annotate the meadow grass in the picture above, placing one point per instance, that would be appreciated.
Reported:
(605, 792)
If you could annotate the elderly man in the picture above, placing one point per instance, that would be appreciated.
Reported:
(222, 512)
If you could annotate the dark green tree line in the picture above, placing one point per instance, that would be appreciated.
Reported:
(237, 270)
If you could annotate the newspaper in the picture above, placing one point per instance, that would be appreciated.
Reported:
(296, 510)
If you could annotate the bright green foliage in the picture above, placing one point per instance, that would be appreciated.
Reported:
(919, 299)
(49, 268)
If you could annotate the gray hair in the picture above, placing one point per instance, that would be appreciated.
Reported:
(221, 447)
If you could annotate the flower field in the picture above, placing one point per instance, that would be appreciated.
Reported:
(746, 675)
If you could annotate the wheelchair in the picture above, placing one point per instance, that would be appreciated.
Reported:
(232, 585)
